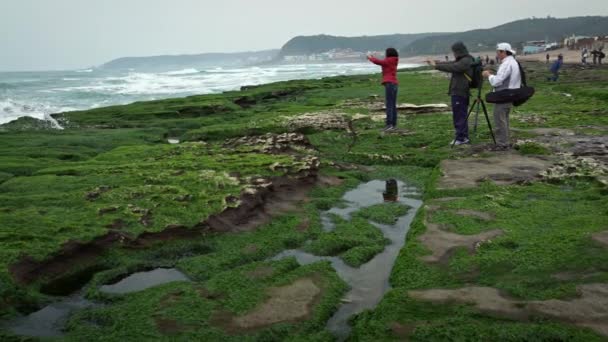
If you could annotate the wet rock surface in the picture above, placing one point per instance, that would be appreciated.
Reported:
(571, 166)
(509, 168)
(273, 143)
(326, 120)
(373, 104)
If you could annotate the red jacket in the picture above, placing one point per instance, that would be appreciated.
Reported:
(389, 68)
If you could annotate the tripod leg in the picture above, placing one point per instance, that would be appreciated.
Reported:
(485, 112)
(476, 116)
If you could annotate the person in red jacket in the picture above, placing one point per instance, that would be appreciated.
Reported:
(391, 85)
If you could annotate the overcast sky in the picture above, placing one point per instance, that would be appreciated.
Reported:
(68, 34)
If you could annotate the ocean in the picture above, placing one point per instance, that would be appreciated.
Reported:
(39, 94)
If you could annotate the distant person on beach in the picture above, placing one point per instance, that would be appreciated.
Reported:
(487, 59)
(447, 59)
(601, 56)
(595, 53)
(555, 68)
(507, 77)
(547, 58)
(584, 56)
(391, 84)
(459, 89)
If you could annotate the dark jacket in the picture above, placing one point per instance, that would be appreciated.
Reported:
(459, 84)
(556, 66)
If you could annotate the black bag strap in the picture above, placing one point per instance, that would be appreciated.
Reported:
(522, 73)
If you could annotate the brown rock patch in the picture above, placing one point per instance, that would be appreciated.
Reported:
(303, 226)
(402, 331)
(442, 243)
(486, 299)
(476, 214)
(330, 181)
(570, 276)
(286, 304)
(448, 199)
(261, 272)
(168, 326)
(505, 169)
(290, 303)
(589, 310)
(251, 249)
(601, 238)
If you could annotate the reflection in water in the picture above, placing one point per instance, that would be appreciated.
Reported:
(370, 281)
(392, 192)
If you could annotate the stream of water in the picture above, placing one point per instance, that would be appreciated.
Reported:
(370, 281)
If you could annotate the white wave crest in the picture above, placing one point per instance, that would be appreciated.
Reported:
(182, 72)
(12, 110)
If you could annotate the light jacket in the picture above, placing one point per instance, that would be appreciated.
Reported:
(389, 68)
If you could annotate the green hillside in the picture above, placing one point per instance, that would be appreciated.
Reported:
(306, 45)
(515, 32)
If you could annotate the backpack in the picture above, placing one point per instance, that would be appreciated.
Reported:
(475, 78)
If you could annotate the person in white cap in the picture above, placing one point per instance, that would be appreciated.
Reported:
(507, 77)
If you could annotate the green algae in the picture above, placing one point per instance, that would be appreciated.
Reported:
(122, 154)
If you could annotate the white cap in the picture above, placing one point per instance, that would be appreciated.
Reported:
(505, 47)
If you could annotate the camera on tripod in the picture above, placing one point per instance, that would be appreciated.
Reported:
(476, 82)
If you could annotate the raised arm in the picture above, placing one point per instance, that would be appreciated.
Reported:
(377, 61)
(461, 65)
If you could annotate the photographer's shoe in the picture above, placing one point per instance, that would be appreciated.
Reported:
(460, 142)
(389, 128)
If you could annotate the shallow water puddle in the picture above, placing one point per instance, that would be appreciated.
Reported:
(143, 280)
(369, 282)
(49, 321)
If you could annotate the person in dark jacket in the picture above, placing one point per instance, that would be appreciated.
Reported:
(595, 53)
(391, 85)
(462, 71)
(555, 68)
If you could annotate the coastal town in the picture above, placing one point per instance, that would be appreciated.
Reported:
(571, 43)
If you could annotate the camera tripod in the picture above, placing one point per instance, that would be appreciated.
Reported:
(476, 105)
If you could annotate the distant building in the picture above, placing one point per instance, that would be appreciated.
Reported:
(538, 46)
(295, 58)
(580, 42)
(331, 55)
